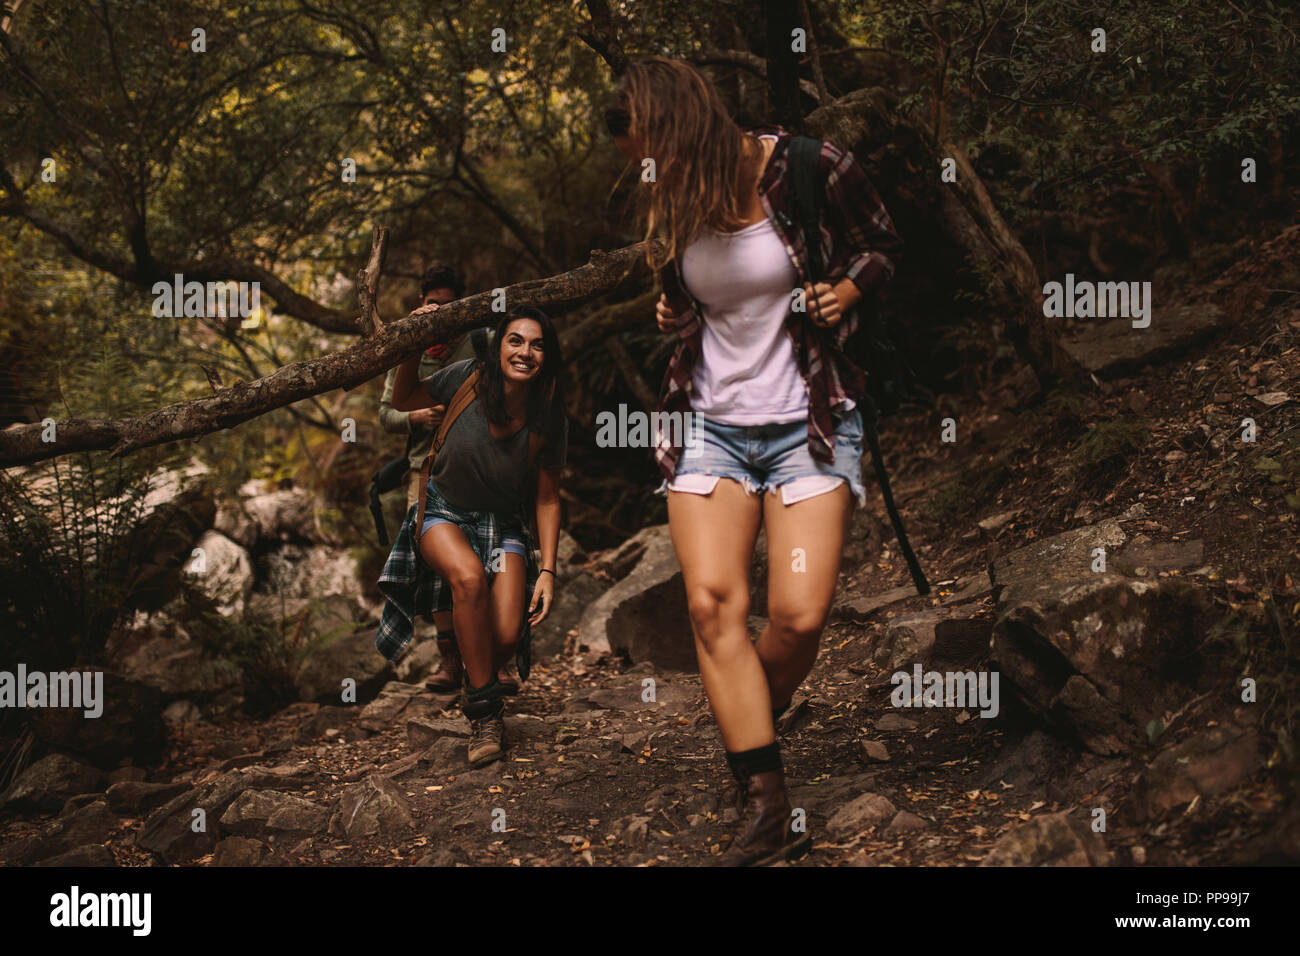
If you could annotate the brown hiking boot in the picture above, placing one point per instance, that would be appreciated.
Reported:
(448, 675)
(486, 740)
(765, 834)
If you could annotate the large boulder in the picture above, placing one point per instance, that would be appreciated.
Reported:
(1202, 766)
(575, 590)
(222, 570)
(1057, 839)
(337, 648)
(645, 613)
(49, 782)
(284, 515)
(1095, 654)
(165, 657)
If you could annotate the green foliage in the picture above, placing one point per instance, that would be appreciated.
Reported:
(72, 541)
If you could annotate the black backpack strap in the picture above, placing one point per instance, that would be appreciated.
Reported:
(869, 418)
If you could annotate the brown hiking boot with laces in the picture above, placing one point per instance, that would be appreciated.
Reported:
(766, 834)
(486, 739)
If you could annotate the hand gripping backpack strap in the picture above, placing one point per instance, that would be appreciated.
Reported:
(459, 402)
(804, 152)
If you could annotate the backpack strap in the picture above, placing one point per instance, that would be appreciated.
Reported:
(459, 402)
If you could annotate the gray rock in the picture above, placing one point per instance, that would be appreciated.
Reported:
(895, 722)
(1143, 556)
(48, 783)
(90, 855)
(285, 515)
(239, 851)
(1205, 765)
(905, 822)
(256, 811)
(175, 833)
(873, 751)
(381, 712)
(868, 810)
(445, 753)
(857, 609)
(374, 806)
(341, 650)
(644, 614)
(1058, 839)
(1096, 655)
(1113, 348)
(222, 571)
(132, 797)
(423, 732)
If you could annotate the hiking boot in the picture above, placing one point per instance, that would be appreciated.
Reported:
(765, 833)
(448, 675)
(486, 739)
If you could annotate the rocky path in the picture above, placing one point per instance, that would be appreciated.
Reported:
(1144, 716)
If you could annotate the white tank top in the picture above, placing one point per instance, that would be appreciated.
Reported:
(747, 373)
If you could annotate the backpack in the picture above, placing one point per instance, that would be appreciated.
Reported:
(881, 360)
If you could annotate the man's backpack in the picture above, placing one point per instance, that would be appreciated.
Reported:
(880, 359)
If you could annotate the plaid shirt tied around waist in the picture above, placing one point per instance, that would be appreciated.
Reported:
(413, 588)
(858, 242)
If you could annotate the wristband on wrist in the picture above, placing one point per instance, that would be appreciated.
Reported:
(548, 571)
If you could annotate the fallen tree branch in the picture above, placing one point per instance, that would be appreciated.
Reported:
(353, 366)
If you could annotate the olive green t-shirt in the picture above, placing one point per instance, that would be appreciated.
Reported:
(477, 472)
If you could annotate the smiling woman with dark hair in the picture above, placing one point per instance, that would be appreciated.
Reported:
(496, 460)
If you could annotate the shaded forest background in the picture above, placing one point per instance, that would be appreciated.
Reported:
(227, 164)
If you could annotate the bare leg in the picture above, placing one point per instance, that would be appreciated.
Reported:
(804, 544)
(714, 539)
(507, 609)
(446, 550)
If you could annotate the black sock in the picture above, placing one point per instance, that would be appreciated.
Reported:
(746, 763)
(485, 701)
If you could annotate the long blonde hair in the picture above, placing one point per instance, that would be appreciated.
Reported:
(673, 114)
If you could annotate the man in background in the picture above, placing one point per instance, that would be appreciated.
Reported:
(441, 284)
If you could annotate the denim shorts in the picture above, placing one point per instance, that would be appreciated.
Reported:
(510, 543)
(767, 457)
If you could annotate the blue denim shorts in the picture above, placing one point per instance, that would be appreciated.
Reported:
(510, 544)
(767, 457)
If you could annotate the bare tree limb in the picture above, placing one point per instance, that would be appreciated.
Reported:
(603, 37)
(368, 283)
(360, 362)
